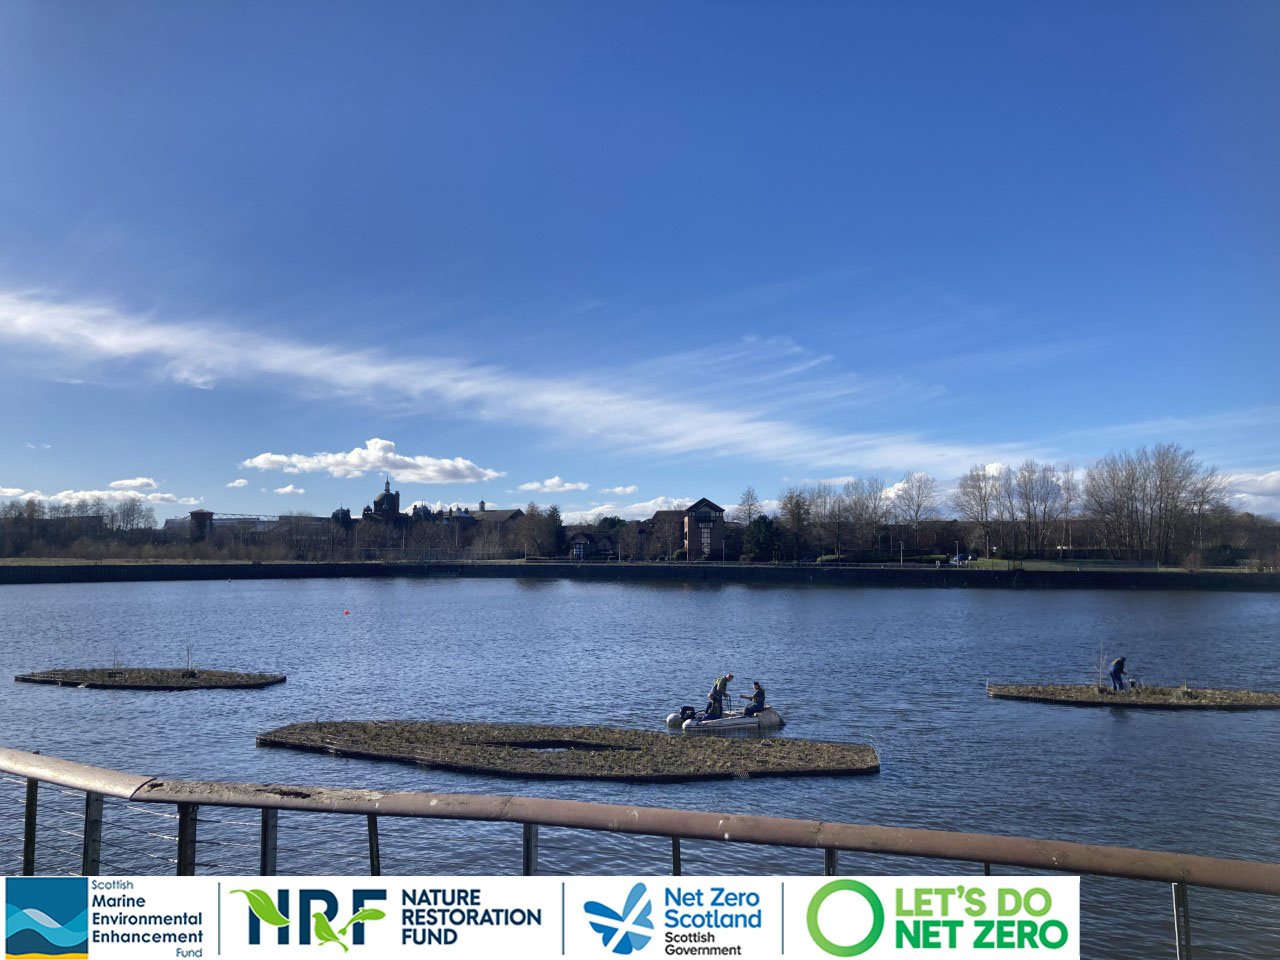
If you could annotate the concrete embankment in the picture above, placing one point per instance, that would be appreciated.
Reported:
(887, 576)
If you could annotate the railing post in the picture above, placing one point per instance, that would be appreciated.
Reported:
(268, 843)
(91, 847)
(830, 862)
(187, 816)
(986, 868)
(529, 858)
(675, 856)
(1181, 922)
(375, 855)
(29, 829)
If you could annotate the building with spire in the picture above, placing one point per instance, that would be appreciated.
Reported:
(386, 506)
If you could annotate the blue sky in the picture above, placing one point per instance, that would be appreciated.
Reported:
(656, 251)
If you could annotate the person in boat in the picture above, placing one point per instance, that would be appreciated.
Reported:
(715, 699)
(1117, 674)
(756, 697)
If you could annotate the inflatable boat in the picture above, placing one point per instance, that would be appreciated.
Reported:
(691, 720)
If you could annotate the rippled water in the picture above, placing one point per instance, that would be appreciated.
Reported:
(902, 669)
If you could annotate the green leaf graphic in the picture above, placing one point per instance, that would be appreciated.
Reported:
(324, 932)
(368, 913)
(260, 903)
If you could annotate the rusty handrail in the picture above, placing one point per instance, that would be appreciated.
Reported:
(1246, 876)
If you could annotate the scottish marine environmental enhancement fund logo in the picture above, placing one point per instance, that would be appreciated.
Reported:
(625, 931)
(46, 917)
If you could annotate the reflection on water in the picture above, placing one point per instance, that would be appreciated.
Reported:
(901, 669)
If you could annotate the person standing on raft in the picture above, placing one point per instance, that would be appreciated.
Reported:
(715, 699)
(756, 698)
(1117, 674)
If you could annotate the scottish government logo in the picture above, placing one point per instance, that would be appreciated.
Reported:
(626, 931)
(46, 917)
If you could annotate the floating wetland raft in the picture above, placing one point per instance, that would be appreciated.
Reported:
(574, 753)
(152, 678)
(1150, 698)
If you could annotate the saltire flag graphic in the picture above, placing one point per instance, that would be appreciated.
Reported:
(628, 926)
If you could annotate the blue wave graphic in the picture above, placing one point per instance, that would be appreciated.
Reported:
(70, 934)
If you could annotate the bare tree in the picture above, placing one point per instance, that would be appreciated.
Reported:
(533, 530)
(868, 509)
(1038, 496)
(824, 513)
(131, 514)
(916, 501)
(976, 501)
(795, 518)
(748, 507)
(1069, 484)
(1146, 503)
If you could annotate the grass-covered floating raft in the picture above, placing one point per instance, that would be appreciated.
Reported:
(1150, 698)
(574, 753)
(152, 678)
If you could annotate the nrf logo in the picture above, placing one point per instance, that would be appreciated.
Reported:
(627, 930)
(317, 924)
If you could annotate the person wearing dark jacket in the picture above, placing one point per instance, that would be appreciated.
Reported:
(715, 699)
(1117, 674)
(756, 697)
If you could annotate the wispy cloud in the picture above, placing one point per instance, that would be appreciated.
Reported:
(621, 491)
(134, 483)
(32, 445)
(238, 483)
(552, 485)
(645, 417)
(379, 455)
(290, 490)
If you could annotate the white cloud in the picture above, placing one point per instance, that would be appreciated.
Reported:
(552, 485)
(133, 483)
(11, 491)
(378, 455)
(455, 505)
(236, 484)
(622, 491)
(1255, 492)
(119, 496)
(290, 490)
(38, 446)
(587, 515)
(632, 511)
(642, 418)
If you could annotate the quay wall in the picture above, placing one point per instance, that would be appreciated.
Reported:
(887, 576)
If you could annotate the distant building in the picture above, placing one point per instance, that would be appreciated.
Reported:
(703, 530)
(589, 545)
(385, 508)
(502, 518)
(698, 530)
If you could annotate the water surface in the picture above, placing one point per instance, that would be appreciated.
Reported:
(901, 669)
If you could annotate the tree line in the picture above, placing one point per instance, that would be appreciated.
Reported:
(1150, 505)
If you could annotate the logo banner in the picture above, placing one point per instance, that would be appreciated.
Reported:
(541, 917)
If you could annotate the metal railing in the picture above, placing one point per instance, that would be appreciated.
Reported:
(47, 779)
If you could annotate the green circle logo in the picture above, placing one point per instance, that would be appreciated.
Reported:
(877, 918)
